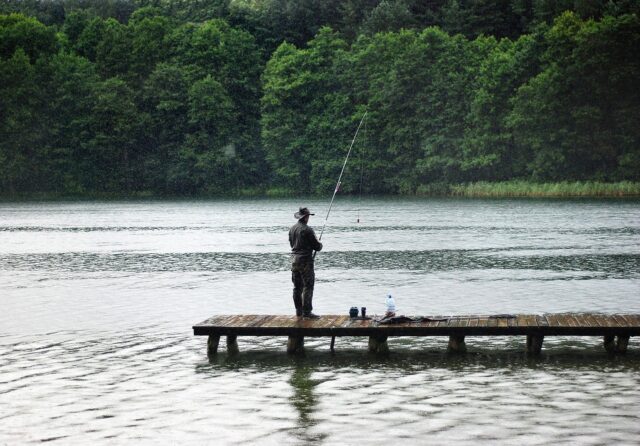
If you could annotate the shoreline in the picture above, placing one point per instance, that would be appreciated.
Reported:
(564, 189)
(481, 189)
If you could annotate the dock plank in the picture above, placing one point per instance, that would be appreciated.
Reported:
(591, 320)
(519, 320)
(483, 321)
(605, 320)
(586, 324)
(633, 319)
(259, 320)
(619, 320)
(542, 320)
(232, 321)
(581, 320)
(346, 322)
(330, 320)
(626, 319)
(599, 320)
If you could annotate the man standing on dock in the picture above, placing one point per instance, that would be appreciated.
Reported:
(303, 242)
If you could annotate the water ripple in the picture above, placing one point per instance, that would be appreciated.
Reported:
(612, 265)
(96, 388)
(98, 299)
(280, 229)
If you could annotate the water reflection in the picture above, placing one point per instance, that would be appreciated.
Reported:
(420, 391)
(140, 384)
(409, 354)
(303, 399)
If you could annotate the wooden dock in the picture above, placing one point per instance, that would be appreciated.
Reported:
(616, 329)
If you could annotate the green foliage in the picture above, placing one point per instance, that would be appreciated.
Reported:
(231, 96)
(26, 33)
(113, 52)
(56, 12)
(578, 117)
(388, 15)
(490, 150)
(556, 104)
(149, 36)
(74, 24)
(165, 102)
(207, 160)
(18, 109)
(90, 38)
(69, 97)
(300, 134)
(110, 156)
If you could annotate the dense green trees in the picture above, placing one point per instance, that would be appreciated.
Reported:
(215, 97)
(150, 105)
(557, 104)
(301, 112)
(579, 115)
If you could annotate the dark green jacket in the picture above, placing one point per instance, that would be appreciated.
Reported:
(303, 242)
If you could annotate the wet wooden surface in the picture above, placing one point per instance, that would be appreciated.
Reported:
(573, 324)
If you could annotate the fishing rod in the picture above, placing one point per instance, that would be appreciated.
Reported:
(335, 191)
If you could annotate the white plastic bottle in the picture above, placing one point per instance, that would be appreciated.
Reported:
(391, 305)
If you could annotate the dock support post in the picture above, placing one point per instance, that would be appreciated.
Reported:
(212, 345)
(610, 343)
(232, 345)
(621, 343)
(456, 344)
(616, 344)
(534, 344)
(295, 344)
(333, 343)
(378, 344)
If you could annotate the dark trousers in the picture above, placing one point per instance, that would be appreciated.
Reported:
(303, 278)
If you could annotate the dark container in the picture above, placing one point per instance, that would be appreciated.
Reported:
(363, 311)
(353, 312)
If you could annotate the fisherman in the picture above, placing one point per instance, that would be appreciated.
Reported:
(303, 242)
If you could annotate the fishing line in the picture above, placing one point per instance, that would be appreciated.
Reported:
(335, 191)
(364, 137)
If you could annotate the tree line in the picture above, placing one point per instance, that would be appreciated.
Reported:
(219, 97)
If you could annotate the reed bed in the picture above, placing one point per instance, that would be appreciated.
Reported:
(560, 189)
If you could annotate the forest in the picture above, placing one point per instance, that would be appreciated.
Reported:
(250, 97)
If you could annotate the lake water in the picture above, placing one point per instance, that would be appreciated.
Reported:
(98, 300)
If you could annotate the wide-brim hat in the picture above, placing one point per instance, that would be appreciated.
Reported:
(303, 212)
